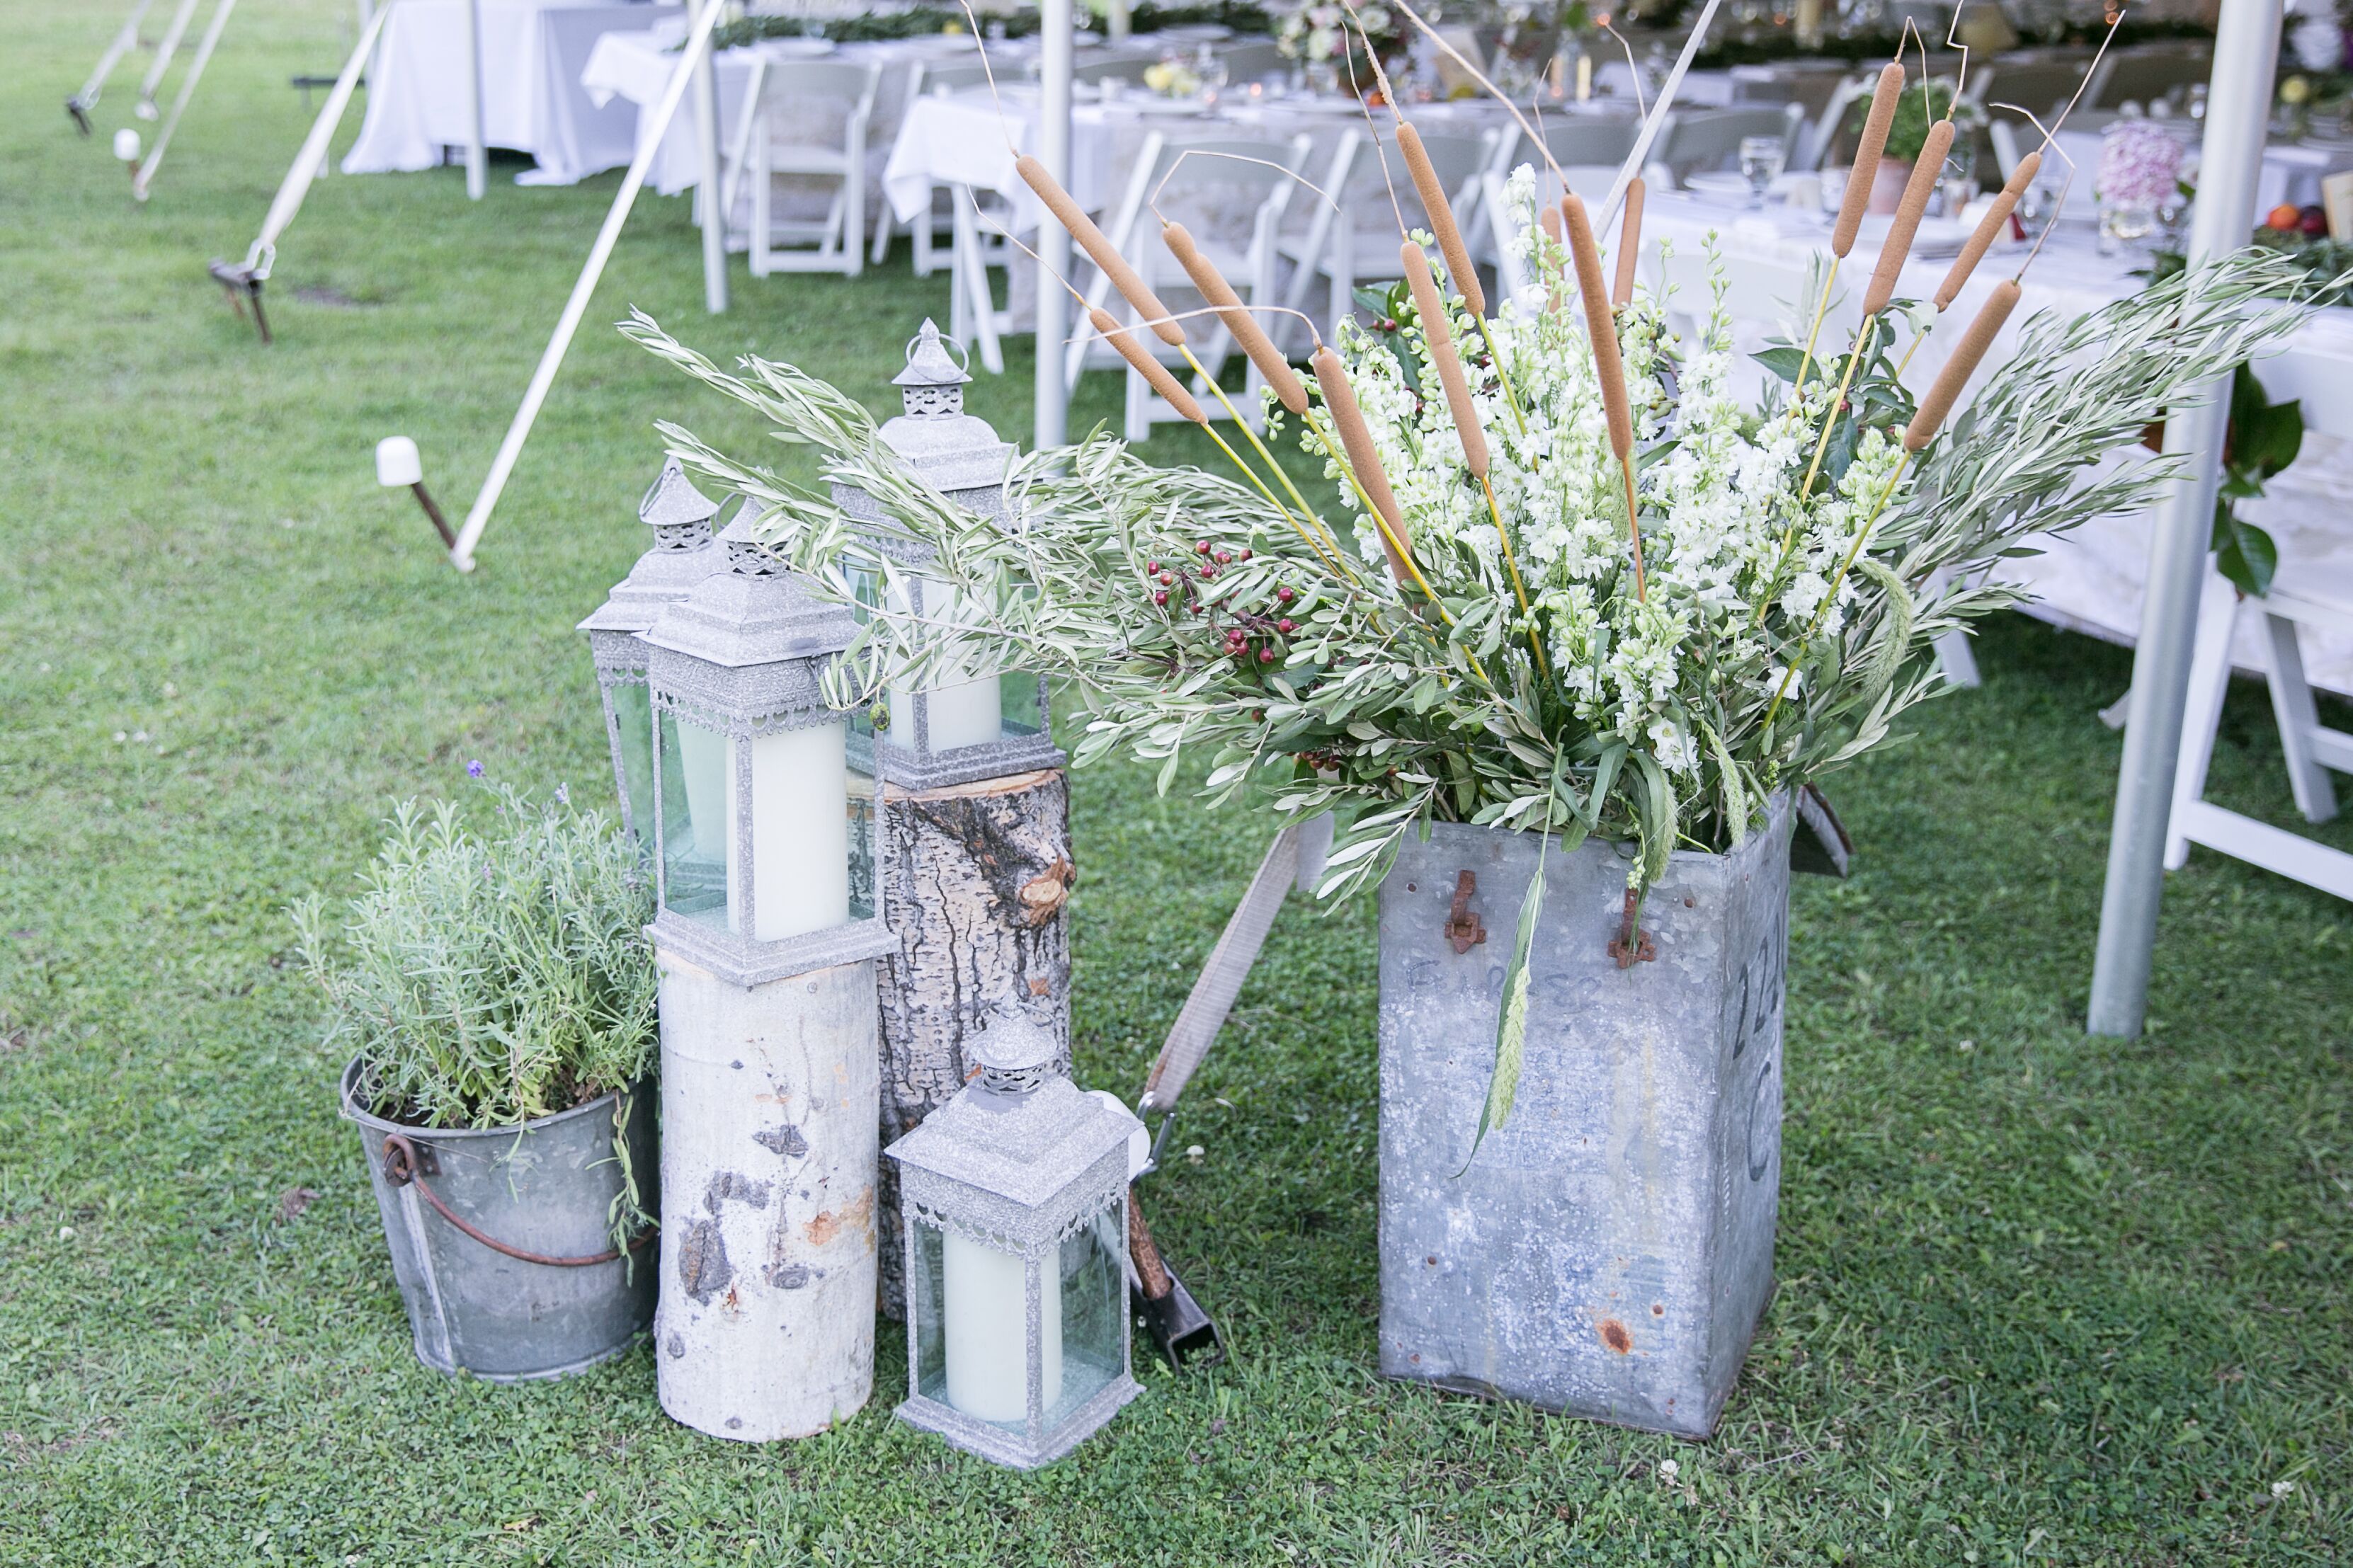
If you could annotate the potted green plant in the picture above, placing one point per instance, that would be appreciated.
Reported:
(1907, 134)
(498, 995)
(1568, 625)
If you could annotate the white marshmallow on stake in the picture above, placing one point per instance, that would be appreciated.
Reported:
(127, 147)
(397, 462)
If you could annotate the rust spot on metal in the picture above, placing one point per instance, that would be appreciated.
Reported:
(1614, 1335)
(1463, 928)
(1631, 945)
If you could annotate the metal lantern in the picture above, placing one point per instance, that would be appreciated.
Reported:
(952, 729)
(765, 796)
(1014, 1196)
(682, 556)
(765, 933)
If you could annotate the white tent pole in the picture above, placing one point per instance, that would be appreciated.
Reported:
(1053, 240)
(478, 154)
(313, 155)
(204, 47)
(126, 38)
(2238, 110)
(697, 40)
(186, 14)
(714, 208)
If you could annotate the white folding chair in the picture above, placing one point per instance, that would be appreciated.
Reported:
(789, 107)
(974, 315)
(2316, 380)
(1253, 59)
(1589, 151)
(1814, 141)
(1354, 244)
(927, 230)
(2312, 747)
(1119, 225)
(1711, 138)
(1207, 186)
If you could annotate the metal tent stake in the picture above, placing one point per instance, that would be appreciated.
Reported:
(125, 40)
(242, 281)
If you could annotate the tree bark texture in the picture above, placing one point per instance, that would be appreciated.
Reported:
(977, 880)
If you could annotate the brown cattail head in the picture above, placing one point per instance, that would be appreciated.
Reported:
(1235, 316)
(1866, 157)
(1459, 270)
(1946, 389)
(1630, 246)
(1154, 373)
(1989, 228)
(1432, 310)
(1926, 170)
(1340, 400)
(1105, 255)
(1548, 220)
(1600, 326)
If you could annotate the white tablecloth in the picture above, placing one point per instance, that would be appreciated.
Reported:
(2092, 580)
(419, 101)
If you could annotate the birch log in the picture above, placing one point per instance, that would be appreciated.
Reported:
(978, 875)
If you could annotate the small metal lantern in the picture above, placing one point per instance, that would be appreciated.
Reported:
(950, 731)
(682, 556)
(1015, 1194)
(763, 797)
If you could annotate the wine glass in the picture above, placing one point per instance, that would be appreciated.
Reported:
(1761, 158)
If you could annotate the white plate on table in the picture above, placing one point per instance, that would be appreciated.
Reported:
(1724, 185)
(1190, 32)
(1162, 108)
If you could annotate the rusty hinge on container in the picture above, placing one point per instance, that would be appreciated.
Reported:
(1632, 945)
(1462, 927)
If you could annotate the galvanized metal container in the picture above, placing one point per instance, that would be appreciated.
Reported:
(547, 1187)
(1609, 1250)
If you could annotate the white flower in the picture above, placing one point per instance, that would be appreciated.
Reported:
(2283, 1491)
(1669, 1470)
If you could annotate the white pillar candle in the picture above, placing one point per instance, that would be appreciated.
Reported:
(1584, 77)
(800, 831)
(983, 1300)
(963, 708)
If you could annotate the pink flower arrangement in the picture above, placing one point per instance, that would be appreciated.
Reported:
(2138, 162)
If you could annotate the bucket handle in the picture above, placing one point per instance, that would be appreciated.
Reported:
(402, 1168)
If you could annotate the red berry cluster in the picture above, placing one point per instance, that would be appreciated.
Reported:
(1249, 636)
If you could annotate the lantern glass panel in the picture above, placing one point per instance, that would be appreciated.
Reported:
(859, 849)
(1094, 1295)
(805, 848)
(985, 1292)
(1017, 705)
(633, 740)
(926, 1311)
(696, 839)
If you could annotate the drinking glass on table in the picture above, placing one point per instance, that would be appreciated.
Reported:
(1761, 158)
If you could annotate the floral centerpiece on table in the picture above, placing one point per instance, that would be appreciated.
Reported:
(1319, 34)
(1465, 623)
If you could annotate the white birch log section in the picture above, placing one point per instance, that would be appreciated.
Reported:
(766, 1328)
(975, 883)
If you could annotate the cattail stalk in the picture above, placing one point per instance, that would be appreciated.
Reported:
(1630, 246)
(1896, 248)
(1436, 332)
(1363, 463)
(1945, 390)
(1867, 154)
(1609, 367)
(1105, 255)
(1989, 228)
(1464, 276)
(1247, 333)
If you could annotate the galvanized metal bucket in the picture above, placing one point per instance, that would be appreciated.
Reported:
(501, 1237)
(1608, 1251)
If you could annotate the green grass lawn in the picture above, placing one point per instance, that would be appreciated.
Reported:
(2042, 1298)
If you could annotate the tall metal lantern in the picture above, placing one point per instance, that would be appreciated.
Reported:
(681, 555)
(978, 814)
(765, 933)
(1015, 1194)
(985, 724)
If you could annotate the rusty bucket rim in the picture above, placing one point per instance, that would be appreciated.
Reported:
(352, 1111)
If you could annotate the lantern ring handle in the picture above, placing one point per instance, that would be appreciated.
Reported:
(403, 1168)
(964, 363)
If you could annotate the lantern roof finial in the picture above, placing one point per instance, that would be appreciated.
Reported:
(672, 501)
(928, 364)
